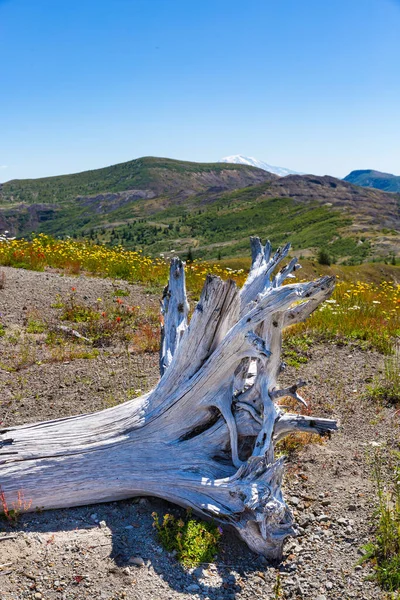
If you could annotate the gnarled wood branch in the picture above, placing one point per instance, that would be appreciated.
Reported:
(205, 436)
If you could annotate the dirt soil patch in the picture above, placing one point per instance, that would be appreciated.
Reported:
(110, 551)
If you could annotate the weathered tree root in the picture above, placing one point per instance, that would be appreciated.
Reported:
(204, 438)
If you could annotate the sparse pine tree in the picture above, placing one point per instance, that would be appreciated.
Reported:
(323, 257)
(189, 257)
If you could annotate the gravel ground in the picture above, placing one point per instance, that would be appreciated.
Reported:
(110, 551)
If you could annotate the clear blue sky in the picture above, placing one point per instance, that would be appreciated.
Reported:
(311, 85)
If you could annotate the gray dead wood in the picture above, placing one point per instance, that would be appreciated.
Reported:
(205, 437)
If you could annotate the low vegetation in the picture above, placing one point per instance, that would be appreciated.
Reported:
(296, 349)
(12, 513)
(386, 390)
(192, 541)
(111, 321)
(365, 313)
(384, 550)
(362, 313)
(75, 257)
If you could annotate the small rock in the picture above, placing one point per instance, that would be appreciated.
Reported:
(342, 521)
(94, 517)
(300, 531)
(199, 572)
(38, 596)
(103, 524)
(193, 587)
(295, 501)
(306, 521)
(352, 507)
(323, 518)
(325, 502)
(136, 560)
(329, 585)
(126, 571)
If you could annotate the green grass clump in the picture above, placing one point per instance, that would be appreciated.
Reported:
(35, 326)
(193, 541)
(293, 359)
(387, 390)
(384, 550)
(295, 350)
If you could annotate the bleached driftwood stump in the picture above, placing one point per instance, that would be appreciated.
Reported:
(204, 437)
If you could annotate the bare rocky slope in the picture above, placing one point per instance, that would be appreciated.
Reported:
(369, 207)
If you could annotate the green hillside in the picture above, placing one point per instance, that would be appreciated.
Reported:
(216, 229)
(155, 174)
(163, 205)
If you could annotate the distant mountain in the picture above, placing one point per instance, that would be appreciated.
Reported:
(375, 179)
(238, 159)
(160, 205)
(148, 174)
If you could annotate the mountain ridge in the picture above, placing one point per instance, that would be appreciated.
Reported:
(157, 174)
(374, 179)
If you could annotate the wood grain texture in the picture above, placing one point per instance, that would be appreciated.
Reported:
(205, 437)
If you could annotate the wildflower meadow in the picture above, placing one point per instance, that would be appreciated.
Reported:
(366, 312)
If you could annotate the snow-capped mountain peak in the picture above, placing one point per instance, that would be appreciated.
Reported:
(254, 162)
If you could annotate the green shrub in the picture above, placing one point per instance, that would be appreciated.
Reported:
(323, 257)
(193, 541)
